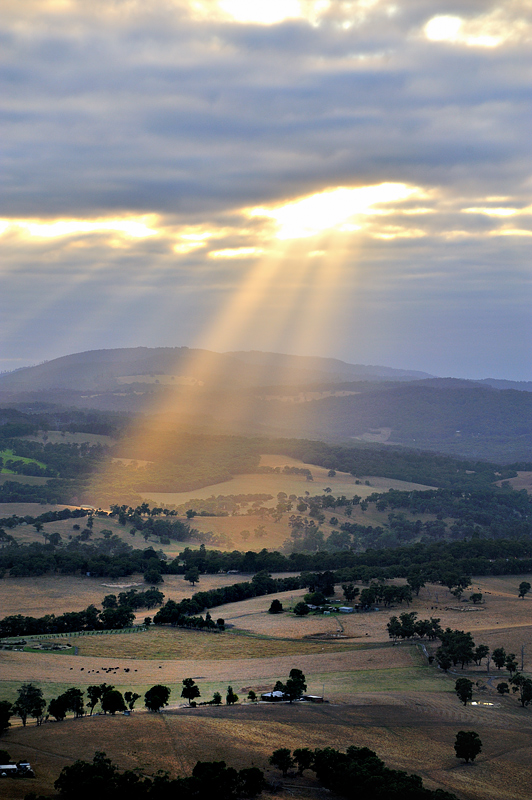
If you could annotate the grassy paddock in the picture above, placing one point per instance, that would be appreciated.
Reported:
(406, 735)
(169, 643)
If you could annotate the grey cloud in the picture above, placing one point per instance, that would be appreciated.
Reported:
(115, 108)
(164, 108)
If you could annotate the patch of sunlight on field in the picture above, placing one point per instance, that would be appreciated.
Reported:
(58, 594)
(342, 483)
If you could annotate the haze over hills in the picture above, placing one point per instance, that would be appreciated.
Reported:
(102, 369)
(282, 395)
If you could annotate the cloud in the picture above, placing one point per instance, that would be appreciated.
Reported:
(175, 118)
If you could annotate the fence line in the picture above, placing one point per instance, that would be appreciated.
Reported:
(34, 636)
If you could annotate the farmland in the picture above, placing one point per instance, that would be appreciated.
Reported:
(383, 696)
(388, 697)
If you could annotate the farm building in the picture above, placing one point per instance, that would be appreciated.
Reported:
(272, 697)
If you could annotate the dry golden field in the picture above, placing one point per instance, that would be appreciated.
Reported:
(56, 594)
(383, 696)
(405, 731)
(523, 480)
(273, 535)
(342, 483)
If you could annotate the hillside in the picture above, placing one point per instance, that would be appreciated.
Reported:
(279, 395)
(471, 421)
(103, 369)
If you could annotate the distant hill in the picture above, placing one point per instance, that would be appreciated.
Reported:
(470, 420)
(280, 395)
(101, 370)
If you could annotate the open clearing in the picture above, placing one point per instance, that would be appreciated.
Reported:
(523, 480)
(342, 483)
(272, 534)
(57, 594)
(383, 696)
(406, 733)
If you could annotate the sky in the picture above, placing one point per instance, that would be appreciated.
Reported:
(319, 177)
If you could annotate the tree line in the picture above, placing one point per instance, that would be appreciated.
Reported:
(357, 772)
(117, 613)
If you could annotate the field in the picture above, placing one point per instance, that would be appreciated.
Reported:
(406, 733)
(383, 696)
(523, 480)
(7, 455)
(274, 534)
(342, 483)
(380, 695)
(60, 593)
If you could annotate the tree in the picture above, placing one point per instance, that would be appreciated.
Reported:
(131, 698)
(109, 601)
(153, 576)
(503, 688)
(395, 628)
(192, 575)
(511, 663)
(416, 582)
(156, 697)
(250, 782)
(58, 707)
(217, 699)
(282, 759)
(29, 703)
(74, 700)
(524, 588)
(5, 715)
(476, 597)
(524, 687)
(295, 685)
(443, 659)
(350, 591)
(467, 745)
(464, 689)
(252, 696)
(84, 780)
(231, 697)
(481, 652)
(276, 607)
(499, 657)
(301, 609)
(113, 701)
(303, 757)
(94, 694)
(190, 691)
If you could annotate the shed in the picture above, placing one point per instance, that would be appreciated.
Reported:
(272, 697)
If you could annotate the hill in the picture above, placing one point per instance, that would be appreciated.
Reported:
(279, 395)
(107, 369)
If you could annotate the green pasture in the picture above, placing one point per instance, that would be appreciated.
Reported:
(8, 454)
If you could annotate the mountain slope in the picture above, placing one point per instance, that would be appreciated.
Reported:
(102, 369)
